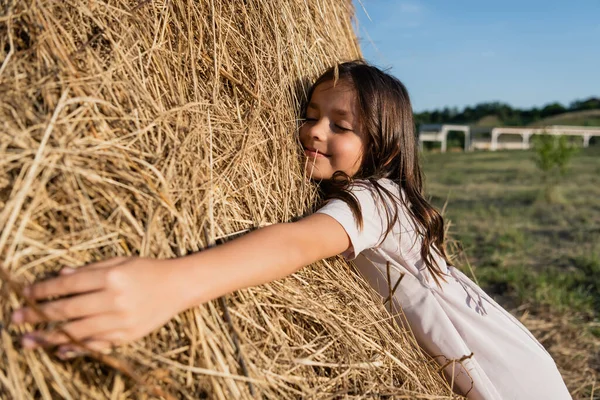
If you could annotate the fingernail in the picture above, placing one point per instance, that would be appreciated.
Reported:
(67, 270)
(66, 353)
(17, 317)
(29, 342)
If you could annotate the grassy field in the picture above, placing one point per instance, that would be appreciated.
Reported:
(536, 250)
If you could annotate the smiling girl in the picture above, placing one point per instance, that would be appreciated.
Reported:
(359, 141)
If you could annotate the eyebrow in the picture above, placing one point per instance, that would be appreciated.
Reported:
(339, 111)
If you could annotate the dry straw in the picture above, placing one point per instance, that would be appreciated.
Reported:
(133, 127)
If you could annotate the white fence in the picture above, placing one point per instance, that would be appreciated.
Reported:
(586, 133)
(439, 133)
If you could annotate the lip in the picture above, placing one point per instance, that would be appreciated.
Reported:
(310, 152)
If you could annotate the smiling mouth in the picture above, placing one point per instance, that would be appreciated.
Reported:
(310, 152)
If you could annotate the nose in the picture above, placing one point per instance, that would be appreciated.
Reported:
(317, 130)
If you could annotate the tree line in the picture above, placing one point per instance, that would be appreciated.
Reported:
(506, 114)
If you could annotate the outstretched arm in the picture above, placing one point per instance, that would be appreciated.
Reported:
(262, 256)
(119, 300)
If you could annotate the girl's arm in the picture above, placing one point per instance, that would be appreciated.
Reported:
(122, 299)
(262, 256)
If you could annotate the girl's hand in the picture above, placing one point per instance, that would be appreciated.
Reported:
(122, 299)
(111, 302)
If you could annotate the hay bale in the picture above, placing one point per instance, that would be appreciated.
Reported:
(129, 127)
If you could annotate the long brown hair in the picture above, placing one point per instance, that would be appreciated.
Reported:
(386, 119)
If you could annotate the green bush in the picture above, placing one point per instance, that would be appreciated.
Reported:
(553, 153)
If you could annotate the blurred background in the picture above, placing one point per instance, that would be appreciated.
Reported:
(506, 98)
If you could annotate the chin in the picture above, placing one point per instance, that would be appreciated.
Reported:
(315, 175)
(313, 172)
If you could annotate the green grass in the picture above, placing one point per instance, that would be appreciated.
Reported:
(523, 248)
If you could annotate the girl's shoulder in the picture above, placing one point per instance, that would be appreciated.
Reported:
(381, 189)
(361, 184)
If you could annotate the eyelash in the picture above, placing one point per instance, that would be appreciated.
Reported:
(336, 125)
(343, 129)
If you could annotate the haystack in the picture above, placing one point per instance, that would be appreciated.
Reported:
(132, 127)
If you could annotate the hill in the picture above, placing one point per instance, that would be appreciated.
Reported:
(574, 118)
(489, 121)
(581, 118)
(580, 112)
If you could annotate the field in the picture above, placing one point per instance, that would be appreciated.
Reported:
(533, 248)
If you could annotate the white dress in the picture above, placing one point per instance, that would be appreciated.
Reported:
(452, 321)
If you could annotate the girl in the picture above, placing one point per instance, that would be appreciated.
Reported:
(359, 142)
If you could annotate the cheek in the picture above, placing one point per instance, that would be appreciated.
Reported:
(349, 150)
(303, 132)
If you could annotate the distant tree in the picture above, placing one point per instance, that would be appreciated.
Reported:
(529, 116)
(468, 114)
(504, 112)
(592, 103)
(454, 112)
(446, 114)
(552, 109)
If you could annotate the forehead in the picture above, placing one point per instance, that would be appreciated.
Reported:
(341, 96)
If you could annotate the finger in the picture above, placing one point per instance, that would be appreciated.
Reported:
(79, 330)
(111, 262)
(69, 351)
(117, 337)
(77, 282)
(84, 305)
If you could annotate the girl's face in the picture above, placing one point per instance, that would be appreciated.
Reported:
(331, 135)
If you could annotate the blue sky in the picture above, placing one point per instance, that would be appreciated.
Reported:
(462, 52)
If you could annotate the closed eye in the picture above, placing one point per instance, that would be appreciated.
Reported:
(342, 128)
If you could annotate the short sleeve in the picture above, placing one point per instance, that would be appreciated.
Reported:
(373, 215)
